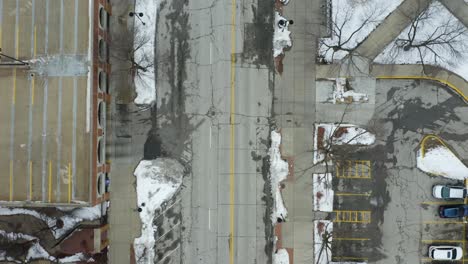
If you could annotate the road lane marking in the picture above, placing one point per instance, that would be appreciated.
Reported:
(352, 194)
(351, 238)
(50, 181)
(11, 180)
(32, 89)
(35, 41)
(232, 135)
(30, 181)
(69, 182)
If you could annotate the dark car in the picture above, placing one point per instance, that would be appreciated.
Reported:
(453, 211)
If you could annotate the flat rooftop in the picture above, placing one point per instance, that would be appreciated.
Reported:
(45, 139)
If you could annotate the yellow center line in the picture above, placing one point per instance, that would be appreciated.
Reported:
(50, 181)
(11, 180)
(69, 182)
(232, 137)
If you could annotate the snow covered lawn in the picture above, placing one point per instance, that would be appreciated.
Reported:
(278, 173)
(438, 21)
(442, 162)
(281, 37)
(144, 52)
(281, 257)
(352, 22)
(323, 192)
(343, 95)
(327, 135)
(157, 181)
(322, 247)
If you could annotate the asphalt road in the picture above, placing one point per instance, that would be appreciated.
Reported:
(214, 102)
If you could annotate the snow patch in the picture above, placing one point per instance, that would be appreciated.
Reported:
(281, 257)
(322, 251)
(441, 161)
(439, 17)
(356, 20)
(157, 181)
(144, 52)
(278, 173)
(323, 192)
(341, 94)
(281, 36)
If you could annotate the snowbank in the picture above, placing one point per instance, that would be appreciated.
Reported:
(144, 52)
(438, 18)
(441, 161)
(281, 37)
(342, 95)
(323, 192)
(157, 181)
(281, 257)
(322, 250)
(343, 134)
(355, 19)
(278, 173)
(69, 221)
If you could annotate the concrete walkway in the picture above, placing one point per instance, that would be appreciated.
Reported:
(390, 28)
(127, 135)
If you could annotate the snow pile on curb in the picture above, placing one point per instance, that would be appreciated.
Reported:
(144, 52)
(281, 257)
(344, 134)
(441, 161)
(278, 173)
(341, 95)
(322, 252)
(323, 192)
(438, 18)
(356, 20)
(69, 221)
(281, 37)
(157, 181)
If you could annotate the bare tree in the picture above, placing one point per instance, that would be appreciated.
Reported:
(348, 29)
(325, 245)
(124, 49)
(434, 37)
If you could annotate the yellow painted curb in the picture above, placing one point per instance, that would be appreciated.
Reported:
(456, 89)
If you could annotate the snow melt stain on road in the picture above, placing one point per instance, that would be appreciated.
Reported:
(278, 173)
(143, 45)
(157, 181)
(442, 162)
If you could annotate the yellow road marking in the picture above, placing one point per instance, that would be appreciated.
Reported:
(232, 122)
(30, 181)
(348, 216)
(458, 91)
(351, 238)
(352, 194)
(69, 182)
(441, 203)
(442, 222)
(11, 180)
(428, 241)
(50, 181)
(423, 142)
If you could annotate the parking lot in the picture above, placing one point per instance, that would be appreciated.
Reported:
(44, 143)
(387, 214)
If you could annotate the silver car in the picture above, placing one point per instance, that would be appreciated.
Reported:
(445, 252)
(449, 192)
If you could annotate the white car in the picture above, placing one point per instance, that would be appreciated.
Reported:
(449, 192)
(445, 252)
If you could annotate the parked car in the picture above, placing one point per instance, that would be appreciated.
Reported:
(445, 252)
(449, 192)
(453, 211)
